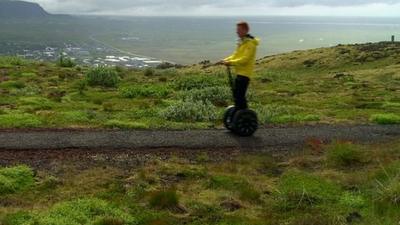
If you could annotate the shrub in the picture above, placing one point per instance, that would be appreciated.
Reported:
(219, 96)
(149, 72)
(301, 190)
(164, 199)
(15, 179)
(144, 91)
(344, 154)
(65, 62)
(189, 82)
(166, 65)
(81, 86)
(102, 76)
(190, 111)
(386, 118)
(81, 211)
(16, 120)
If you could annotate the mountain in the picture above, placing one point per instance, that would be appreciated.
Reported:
(21, 10)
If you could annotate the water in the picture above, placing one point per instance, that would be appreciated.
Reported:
(189, 40)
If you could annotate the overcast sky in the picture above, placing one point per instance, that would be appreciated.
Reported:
(225, 7)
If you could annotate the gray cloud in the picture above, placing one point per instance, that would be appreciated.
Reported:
(179, 6)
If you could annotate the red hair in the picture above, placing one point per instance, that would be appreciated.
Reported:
(244, 25)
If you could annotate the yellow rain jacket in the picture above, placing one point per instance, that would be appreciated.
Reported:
(244, 58)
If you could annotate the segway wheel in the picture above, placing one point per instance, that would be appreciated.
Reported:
(245, 123)
(228, 117)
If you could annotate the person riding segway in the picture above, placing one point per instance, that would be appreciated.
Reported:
(239, 118)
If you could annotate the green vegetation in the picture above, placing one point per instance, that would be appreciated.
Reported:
(65, 62)
(190, 111)
(386, 118)
(334, 85)
(164, 200)
(246, 189)
(102, 76)
(344, 155)
(15, 179)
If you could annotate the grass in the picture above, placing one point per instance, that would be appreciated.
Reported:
(344, 155)
(210, 190)
(15, 120)
(102, 76)
(328, 86)
(301, 190)
(15, 179)
(386, 118)
(164, 199)
(81, 211)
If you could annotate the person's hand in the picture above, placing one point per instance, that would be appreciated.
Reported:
(220, 62)
(226, 63)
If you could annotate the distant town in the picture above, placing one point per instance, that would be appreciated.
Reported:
(92, 53)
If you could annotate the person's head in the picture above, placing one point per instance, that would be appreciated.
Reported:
(242, 29)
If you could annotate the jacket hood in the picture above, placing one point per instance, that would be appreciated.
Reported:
(254, 40)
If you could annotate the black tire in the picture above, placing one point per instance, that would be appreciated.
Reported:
(228, 117)
(245, 123)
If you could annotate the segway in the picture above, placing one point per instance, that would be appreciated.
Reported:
(243, 122)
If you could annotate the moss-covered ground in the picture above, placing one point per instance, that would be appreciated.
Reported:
(336, 183)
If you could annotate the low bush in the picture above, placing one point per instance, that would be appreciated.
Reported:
(15, 179)
(65, 62)
(158, 91)
(190, 111)
(386, 118)
(149, 72)
(102, 76)
(344, 154)
(16, 120)
(219, 96)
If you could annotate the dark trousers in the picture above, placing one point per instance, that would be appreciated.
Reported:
(240, 90)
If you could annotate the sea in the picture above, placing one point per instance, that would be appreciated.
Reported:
(188, 40)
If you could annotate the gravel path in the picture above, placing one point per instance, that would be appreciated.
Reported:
(267, 139)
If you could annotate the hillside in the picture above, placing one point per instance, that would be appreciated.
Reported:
(346, 84)
(21, 10)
